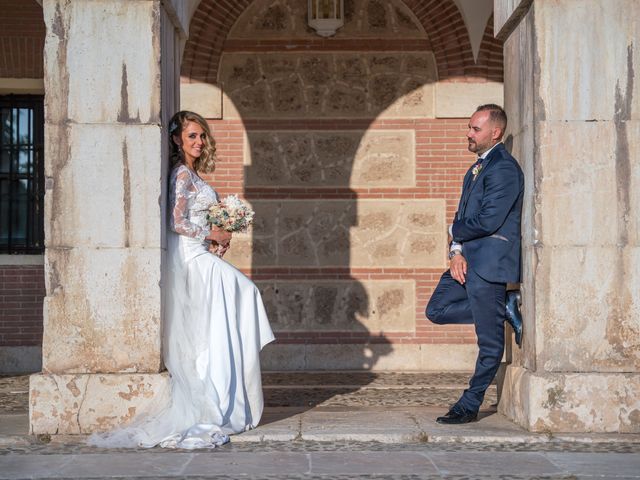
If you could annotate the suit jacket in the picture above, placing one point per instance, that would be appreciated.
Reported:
(487, 222)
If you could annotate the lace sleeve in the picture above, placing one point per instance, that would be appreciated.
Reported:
(182, 192)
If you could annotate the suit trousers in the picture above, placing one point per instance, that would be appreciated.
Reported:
(481, 303)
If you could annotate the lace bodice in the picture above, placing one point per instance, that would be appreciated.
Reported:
(189, 200)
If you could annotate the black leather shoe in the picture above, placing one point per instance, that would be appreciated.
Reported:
(514, 318)
(457, 416)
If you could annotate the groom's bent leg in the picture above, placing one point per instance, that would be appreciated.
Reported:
(449, 302)
(487, 301)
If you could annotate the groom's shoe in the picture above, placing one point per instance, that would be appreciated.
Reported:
(457, 415)
(514, 318)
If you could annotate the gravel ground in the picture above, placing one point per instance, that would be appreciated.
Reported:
(344, 389)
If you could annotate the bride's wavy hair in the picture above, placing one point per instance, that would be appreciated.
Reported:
(206, 163)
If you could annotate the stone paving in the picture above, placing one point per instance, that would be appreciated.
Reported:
(339, 425)
(366, 389)
(411, 462)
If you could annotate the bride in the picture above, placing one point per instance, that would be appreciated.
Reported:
(216, 324)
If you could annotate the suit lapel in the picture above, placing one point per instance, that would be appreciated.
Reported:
(469, 183)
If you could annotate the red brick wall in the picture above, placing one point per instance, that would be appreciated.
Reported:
(21, 295)
(442, 159)
(441, 151)
(22, 33)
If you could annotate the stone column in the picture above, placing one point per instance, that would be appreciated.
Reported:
(574, 103)
(110, 83)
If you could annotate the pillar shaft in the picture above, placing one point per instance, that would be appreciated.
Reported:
(573, 109)
(110, 77)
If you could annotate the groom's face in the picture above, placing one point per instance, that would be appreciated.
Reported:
(482, 133)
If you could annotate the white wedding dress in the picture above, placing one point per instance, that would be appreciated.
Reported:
(215, 327)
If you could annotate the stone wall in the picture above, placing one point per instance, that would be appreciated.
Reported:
(328, 85)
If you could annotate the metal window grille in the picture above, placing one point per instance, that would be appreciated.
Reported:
(21, 174)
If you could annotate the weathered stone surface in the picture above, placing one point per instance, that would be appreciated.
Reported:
(312, 305)
(341, 233)
(520, 103)
(569, 402)
(82, 404)
(578, 144)
(284, 19)
(374, 356)
(103, 205)
(75, 72)
(373, 158)
(459, 100)
(594, 235)
(591, 89)
(597, 183)
(102, 310)
(202, 98)
(104, 191)
(342, 85)
(599, 310)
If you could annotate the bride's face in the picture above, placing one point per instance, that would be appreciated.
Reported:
(192, 141)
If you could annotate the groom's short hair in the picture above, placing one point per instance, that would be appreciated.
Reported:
(496, 114)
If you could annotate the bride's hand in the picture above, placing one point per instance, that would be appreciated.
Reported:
(220, 236)
(219, 250)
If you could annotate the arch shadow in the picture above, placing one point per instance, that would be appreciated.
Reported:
(300, 178)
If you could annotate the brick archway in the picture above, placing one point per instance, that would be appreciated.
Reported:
(441, 19)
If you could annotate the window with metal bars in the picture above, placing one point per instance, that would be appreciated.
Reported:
(21, 174)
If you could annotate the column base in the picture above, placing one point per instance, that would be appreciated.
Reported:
(87, 403)
(572, 402)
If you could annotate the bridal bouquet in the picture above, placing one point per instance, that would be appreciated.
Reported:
(231, 214)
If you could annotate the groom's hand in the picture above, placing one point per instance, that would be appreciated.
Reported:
(458, 268)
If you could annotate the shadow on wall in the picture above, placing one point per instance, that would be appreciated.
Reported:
(303, 178)
(310, 153)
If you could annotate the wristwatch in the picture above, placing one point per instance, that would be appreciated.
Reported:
(453, 253)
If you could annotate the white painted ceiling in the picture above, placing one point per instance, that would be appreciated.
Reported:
(476, 14)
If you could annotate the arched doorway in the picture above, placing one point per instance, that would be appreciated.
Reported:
(351, 150)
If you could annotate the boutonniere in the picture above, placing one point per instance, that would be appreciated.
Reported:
(477, 168)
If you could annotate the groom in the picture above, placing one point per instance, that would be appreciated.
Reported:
(484, 256)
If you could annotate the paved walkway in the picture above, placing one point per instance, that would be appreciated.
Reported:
(378, 426)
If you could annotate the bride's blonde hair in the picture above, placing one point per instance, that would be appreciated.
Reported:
(206, 163)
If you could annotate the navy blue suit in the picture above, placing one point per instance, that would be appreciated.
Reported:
(487, 224)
